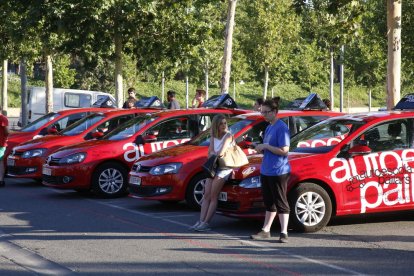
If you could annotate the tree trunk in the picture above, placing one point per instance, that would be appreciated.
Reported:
(266, 81)
(162, 86)
(225, 76)
(331, 82)
(119, 95)
(49, 83)
(4, 88)
(23, 91)
(206, 78)
(394, 52)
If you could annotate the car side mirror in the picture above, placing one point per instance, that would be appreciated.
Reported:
(149, 137)
(246, 143)
(97, 134)
(52, 130)
(359, 149)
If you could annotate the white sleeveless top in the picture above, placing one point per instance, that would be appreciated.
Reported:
(218, 143)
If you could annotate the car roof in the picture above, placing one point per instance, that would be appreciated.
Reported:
(83, 109)
(378, 115)
(189, 111)
(287, 113)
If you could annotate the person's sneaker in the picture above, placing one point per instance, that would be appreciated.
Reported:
(2, 183)
(202, 227)
(283, 238)
(262, 235)
(195, 225)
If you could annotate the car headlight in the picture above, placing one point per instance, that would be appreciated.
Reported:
(33, 153)
(170, 168)
(73, 159)
(251, 182)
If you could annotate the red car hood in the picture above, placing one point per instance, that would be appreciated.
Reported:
(82, 147)
(41, 142)
(179, 153)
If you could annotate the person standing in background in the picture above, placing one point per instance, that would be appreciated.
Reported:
(4, 133)
(131, 97)
(274, 172)
(199, 98)
(172, 102)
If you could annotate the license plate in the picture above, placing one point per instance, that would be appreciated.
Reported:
(46, 171)
(222, 196)
(10, 162)
(135, 180)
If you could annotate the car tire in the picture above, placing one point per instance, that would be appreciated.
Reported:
(311, 207)
(195, 191)
(110, 180)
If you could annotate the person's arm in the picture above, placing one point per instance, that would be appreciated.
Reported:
(6, 131)
(226, 143)
(283, 151)
(211, 146)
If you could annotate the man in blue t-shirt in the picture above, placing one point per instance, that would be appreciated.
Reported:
(275, 171)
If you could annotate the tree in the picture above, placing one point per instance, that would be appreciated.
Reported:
(394, 52)
(270, 36)
(228, 43)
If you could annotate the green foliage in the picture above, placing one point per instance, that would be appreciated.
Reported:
(63, 75)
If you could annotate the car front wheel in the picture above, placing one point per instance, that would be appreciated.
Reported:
(311, 207)
(195, 191)
(110, 180)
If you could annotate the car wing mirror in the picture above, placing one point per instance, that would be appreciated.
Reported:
(246, 143)
(97, 134)
(52, 130)
(359, 149)
(149, 137)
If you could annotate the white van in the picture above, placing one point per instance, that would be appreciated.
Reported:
(62, 99)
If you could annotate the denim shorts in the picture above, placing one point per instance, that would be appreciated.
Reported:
(224, 173)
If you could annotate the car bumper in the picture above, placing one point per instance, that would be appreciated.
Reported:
(24, 168)
(235, 201)
(145, 186)
(67, 177)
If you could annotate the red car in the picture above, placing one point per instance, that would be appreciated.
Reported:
(175, 174)
(346, 165)
(26, 159)
(47, 124)
(103, 165)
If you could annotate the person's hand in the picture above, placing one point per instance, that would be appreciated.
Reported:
(260, 147)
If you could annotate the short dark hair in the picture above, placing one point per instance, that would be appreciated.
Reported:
(131, 89)
(259, 101)
(171, 93)
(271, 104)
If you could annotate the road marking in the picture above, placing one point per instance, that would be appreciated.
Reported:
(28, 259)
(300, 257)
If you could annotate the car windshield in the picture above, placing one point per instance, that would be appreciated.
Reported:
(129, 128)
(82, 125)
(322, 137)
(40, 122)
(234, 124)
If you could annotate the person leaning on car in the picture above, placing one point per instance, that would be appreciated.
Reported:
(274, 171)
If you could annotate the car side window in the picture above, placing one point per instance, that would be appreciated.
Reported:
(256, 132)
(388, 136)
(302, 122)
(68, 120)
(177, 128)
(204, 121)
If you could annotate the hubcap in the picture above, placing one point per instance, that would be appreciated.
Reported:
(310, 208)
(111, 181)
(198, 192)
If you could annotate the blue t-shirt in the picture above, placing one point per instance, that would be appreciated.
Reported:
(276, 135)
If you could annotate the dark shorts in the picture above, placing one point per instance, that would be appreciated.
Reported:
(274, 191)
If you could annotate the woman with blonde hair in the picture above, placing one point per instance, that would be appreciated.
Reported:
(220, 140)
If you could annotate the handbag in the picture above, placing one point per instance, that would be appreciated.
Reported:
(234, 157)
(210, 166)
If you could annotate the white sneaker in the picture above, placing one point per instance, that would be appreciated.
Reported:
(195, 225)
(202, 227)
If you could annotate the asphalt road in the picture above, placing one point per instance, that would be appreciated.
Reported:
(46, 231)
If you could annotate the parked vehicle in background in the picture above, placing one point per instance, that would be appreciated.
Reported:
(153, 176)
(62, 99)
(103, 165)
(353, 164)
(26, 160)
(50, 123)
